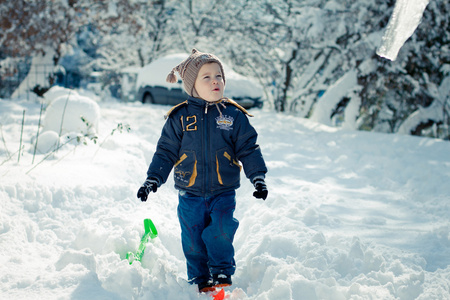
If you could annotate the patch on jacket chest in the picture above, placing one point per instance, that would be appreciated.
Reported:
(224, 122)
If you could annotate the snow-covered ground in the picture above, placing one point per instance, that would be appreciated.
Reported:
(350, 215)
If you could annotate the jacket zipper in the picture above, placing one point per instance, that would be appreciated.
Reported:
(206, 145)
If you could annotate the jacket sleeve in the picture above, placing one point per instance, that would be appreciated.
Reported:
(166, 150)
(247, 150)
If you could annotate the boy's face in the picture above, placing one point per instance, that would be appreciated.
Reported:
(209, 83)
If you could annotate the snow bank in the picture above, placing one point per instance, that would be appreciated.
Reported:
(350, 215)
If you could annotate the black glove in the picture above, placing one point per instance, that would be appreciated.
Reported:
(150, 185)
(261, 189)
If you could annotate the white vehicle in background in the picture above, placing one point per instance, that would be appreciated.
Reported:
(94, 82)
(151, 85)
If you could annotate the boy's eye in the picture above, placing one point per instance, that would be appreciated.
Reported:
(208, 76)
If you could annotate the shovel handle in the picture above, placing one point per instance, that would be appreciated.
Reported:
(150, 232)
(150, 228)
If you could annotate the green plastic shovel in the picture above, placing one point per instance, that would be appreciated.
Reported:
(150, 233)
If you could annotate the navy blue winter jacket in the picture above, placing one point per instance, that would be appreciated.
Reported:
(205, 144)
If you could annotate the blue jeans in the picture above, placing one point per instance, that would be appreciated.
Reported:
(207, 233)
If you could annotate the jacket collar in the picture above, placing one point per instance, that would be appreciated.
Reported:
(196, 101)
(203, 103)
(200, 103)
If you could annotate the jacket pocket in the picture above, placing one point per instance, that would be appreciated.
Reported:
(227, 168)
(185, 169)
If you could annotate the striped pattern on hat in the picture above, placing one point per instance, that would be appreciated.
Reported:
(188, 69)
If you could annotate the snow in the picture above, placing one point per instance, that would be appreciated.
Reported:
(350, 215)
(334, 94)
(47, 141)
(444, 87)
(422, 115)
(352, 112)
(402, 24)
(71, 112)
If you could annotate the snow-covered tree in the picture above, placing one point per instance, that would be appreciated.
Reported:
(134, 33)
(29, 27)
(38, 29)
(408, 95)
(321, 58)
(314, 58)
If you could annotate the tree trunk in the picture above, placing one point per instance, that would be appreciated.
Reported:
(280, 104)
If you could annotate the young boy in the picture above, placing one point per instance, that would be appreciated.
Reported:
(203, 140)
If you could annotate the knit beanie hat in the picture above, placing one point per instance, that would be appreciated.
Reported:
(188, 69)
